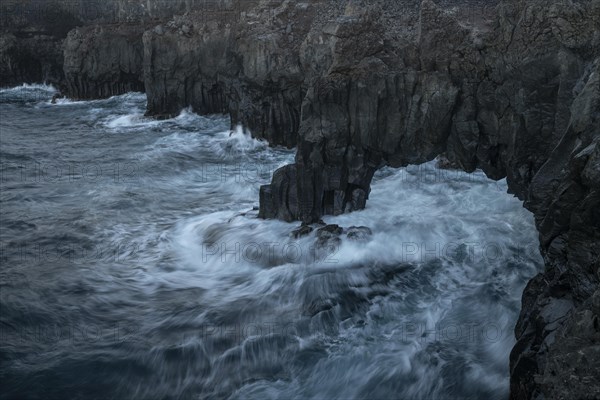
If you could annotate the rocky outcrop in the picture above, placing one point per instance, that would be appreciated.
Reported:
(511, 87)
(245, 63)
(407, 101)
(27, 60)
(31, 35)
(103, 60)
(113, 58)
(35, 43)
(559, 321)
(517, 96)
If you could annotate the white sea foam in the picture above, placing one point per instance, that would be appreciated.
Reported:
(26, 87)
(236, 142)
(465, 243)
(28, 93)
(223, 304)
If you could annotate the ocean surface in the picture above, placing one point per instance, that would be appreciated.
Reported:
(134, 266)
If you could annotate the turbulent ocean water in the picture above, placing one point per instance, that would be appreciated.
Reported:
(134, 266)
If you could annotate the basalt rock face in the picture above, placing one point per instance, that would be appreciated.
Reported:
(103, 60)
(482, 90)
(105, 57)
(30, 41)
(36, 46)
(245, 63)
(32, 59)
(558, 348)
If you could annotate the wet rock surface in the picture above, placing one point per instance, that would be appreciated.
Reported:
(359, 233)
(329, 237)
(301, 231)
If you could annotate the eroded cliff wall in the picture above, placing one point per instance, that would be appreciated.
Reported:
(35, 43)
(244, 63)
(515, 93)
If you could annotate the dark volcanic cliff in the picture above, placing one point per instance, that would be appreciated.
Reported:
(103, 57)
(511, 87)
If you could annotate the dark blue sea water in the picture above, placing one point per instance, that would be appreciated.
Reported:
(134, 266)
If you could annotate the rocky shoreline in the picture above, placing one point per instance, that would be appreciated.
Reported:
(510, 87)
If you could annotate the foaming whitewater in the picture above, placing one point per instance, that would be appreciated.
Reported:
(27, 93)
(136, 267)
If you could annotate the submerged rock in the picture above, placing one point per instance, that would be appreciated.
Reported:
(329, 237)
(56, 97)
(330, 231)
(301, 231)
(359, 233)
